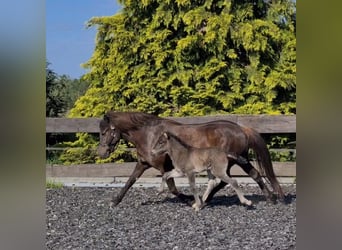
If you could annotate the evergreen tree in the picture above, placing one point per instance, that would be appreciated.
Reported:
(74, 89)
(193, 58)
(61, 94)
(55, 103)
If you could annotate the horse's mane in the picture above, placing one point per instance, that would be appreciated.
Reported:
(125, 121)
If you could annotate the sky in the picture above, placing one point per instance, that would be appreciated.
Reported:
(68, 42)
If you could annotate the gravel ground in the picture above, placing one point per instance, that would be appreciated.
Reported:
(80, 218)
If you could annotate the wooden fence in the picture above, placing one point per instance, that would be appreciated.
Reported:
(265, 124)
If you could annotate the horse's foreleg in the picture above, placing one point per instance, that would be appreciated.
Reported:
(183, 197)
(137, 172)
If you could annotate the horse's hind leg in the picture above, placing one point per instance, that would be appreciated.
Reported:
(255, 175)
(198, 201)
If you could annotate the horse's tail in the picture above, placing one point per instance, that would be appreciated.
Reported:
(257, 143)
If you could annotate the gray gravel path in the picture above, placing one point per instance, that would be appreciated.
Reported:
(80, 218)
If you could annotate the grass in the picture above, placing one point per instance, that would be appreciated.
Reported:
(53, 184)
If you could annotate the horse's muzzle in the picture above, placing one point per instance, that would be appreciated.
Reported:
(103, 151)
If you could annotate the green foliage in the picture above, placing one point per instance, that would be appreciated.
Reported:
(80, 151)
(55, 103)
(53, 157)
(283, 156)
(121, 154)
(74, 89)
(62, 92)
(50, 184)
(277, 143)
(184, 58)
(280, 147)
(193, 58)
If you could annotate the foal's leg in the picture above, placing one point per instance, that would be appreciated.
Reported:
(198, 201)
(168, 166)
(170, 174)
(248, 169)
(212, 183)
(221, 173)
(162, 184)
(218, 186)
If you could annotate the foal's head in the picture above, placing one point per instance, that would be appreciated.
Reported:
(109, 137)
(161, 146)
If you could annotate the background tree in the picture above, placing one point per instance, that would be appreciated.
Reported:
(200, 57)
(61, 94)
(55, 103)
(193, 58)
(74, 89)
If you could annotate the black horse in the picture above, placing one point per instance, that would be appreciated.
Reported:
(143, 130)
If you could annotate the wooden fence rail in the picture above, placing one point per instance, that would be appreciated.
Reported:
(265, 124)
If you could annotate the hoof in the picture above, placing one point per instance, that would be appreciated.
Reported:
(272, 199)
(160, 191)
(114, 203)
(247, 202)
(197, 207)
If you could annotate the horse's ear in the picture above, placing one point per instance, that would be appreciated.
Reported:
(112, 127)
(166, 135)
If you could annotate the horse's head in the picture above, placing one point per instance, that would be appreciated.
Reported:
(161, 146)
(109, 138)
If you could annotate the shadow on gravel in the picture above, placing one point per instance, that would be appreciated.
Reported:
(290, 198)
(224, 200)
(167, 200)
(227, 201)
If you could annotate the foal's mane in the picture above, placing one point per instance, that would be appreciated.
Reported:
(178, 140)
(125, 121)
